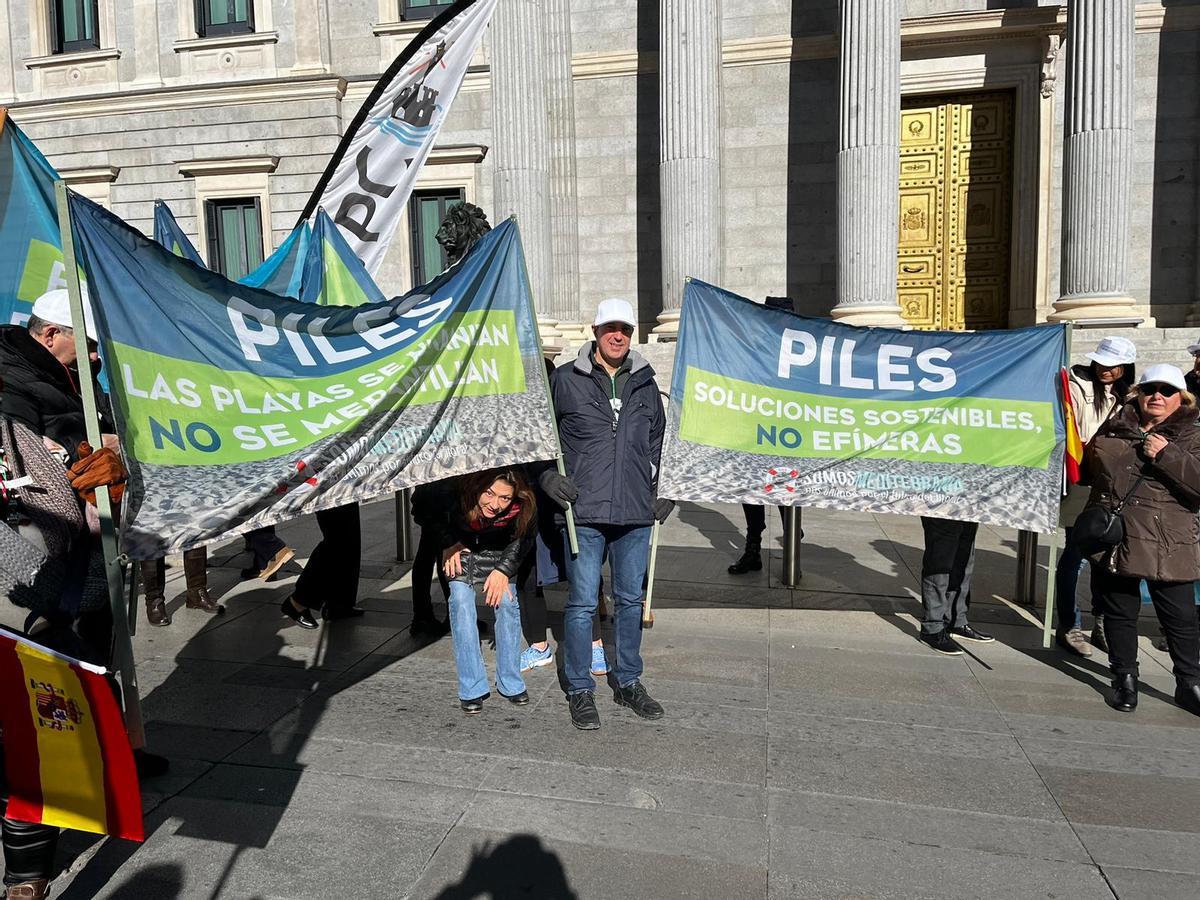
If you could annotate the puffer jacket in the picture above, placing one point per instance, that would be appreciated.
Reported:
(1162, 538)
(490, 547)
(613, 461)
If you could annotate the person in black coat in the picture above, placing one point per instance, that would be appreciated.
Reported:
(484, 539)
(41, 375)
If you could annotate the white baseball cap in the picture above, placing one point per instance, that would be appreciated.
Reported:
(615, 309)
(1114, 351)
(1164, 373)
(55, 307)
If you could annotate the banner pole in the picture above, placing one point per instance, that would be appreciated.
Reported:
(122, 645)
(572, 535)
(647, 605)
(1052, 540)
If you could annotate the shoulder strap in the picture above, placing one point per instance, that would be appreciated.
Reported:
(1137, 484)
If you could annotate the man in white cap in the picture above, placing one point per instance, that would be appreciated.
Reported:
(41, 389)
(611, 424)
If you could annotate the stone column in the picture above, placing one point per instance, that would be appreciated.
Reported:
(1097, 165)
(689, 73)
(564, 194)
(307, 33)
(521, 145)
(868, 163)
(147, 63)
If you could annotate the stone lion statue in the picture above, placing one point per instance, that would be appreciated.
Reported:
(465, 223)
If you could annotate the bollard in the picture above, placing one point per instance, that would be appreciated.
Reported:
(792, 536)
(1027, 552)
(405, 551)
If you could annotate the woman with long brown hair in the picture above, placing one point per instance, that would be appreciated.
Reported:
(484, 541)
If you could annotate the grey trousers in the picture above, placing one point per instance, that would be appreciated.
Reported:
(946, 571)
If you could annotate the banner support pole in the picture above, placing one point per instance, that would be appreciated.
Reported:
(647, 605)
(404, 525)
(122, 645)
(1052, 539)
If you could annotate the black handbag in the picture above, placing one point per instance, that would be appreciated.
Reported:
(1100, 527)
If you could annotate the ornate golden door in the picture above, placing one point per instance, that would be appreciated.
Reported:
(955, 211)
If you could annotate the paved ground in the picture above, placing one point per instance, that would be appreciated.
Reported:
(811, 749)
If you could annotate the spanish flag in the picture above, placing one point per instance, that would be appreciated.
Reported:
(1073, 458)
(67, 755)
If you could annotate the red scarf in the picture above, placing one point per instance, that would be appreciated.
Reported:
(479, 523)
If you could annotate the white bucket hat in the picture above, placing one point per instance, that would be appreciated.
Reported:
(1114, 351)
(1163, 373)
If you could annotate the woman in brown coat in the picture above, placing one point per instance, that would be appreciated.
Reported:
(1155, 435)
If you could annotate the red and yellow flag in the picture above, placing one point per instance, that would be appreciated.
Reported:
(1073, 458)
(67, 755)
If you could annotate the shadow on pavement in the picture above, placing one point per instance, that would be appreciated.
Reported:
(520, 867)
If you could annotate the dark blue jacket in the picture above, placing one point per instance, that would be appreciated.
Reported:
(613, 463)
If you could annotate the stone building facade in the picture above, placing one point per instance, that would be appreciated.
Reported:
(950, 163)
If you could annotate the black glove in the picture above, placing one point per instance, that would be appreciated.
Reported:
(663, 508)
(558, 488)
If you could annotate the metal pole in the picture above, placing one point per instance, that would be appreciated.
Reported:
(404, 526)
(791, 546)
(1027, 549)
(647, 608)
(123, 646)
(1051, 565)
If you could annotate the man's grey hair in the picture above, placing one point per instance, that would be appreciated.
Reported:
(37, 326)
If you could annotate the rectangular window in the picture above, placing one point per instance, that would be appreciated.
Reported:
(422, 9)
(426, 210)
(218, 17)
(235, 240)
(73, 25)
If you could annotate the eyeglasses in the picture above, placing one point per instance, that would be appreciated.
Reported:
(1149, 390)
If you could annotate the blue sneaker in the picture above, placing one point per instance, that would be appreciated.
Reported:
(599, 663)
(535, 659)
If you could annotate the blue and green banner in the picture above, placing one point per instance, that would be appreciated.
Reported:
(240, 408)
(333, 275)
(768, 407)
(29, 243)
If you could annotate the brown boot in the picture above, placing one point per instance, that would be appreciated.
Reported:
(29, 890)
(195, 570)
(154, 576)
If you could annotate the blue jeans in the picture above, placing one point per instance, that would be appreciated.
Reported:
(468, 659)
(628, 552)
(1066, 581)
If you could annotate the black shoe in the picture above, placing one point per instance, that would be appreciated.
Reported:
(584, 715)
(473, 707)
(1099, 639)
(942, 643)
(520, 699)
(967, 633)
(346, 612)
(302, 617)
(150, 765)
(1188, 697)
(429, 628)
(751, 561)
(1125, 692)
(636, 698)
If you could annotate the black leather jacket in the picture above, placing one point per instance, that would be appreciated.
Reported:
(490, 548)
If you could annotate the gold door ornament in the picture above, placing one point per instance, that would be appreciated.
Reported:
(955, 211)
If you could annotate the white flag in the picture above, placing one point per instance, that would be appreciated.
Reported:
(370, 177)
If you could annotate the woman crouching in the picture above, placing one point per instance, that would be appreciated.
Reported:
(1147, 456)
(487, 536)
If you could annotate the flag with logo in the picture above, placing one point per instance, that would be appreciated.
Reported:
(239, 408)
(67, 756)
(29, 243)
(370, 177)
